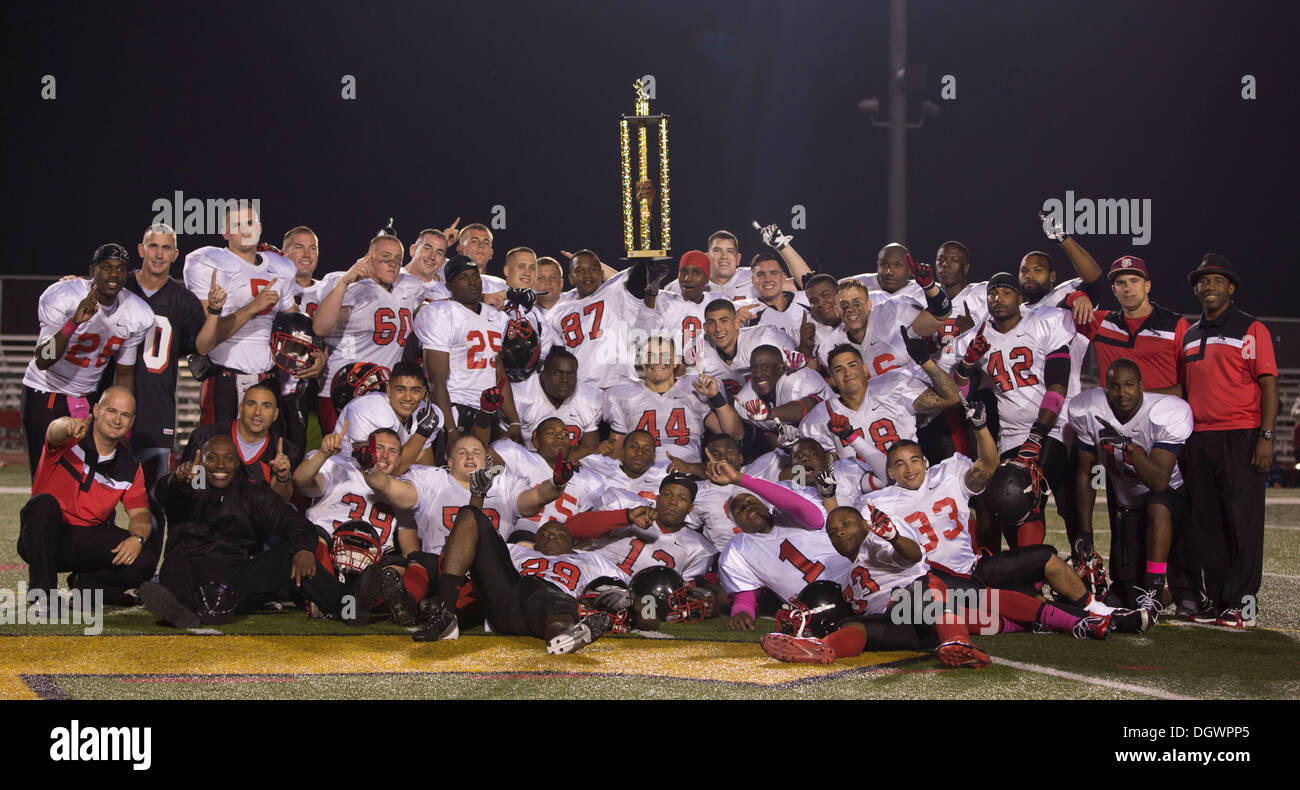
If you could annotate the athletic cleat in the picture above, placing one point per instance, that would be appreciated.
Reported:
(164, 605)
(369, 589)
(588, 630)
(1092, 627)
(1205, 613)
(1148, 601)
(959, 653)
(798, 649)
(400, 603)
(437, 622)
(1132, 621)
(1230, 618)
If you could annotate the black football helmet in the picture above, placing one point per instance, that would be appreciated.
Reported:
(293, 341)
(520, 349)
(1014, 491)
(356, 546)
(355, 380)
(592, 601)
(815, 611)
(660, 594)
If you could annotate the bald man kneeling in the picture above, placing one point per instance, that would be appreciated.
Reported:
(86, 468)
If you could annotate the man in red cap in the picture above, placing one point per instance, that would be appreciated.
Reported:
(679, 315)
(1142, 331)
(1230, 376)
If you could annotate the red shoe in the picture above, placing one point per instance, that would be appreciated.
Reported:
(958, 653)
(1092, 627)
(1231, 618)
(803, 650)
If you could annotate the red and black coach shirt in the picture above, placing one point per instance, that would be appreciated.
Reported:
(89, 487)
(1152, 341)
(1222, 361)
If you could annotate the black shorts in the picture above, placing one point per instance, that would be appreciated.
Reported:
(514, 605)
(884, 633)
(1014, 569)
(1128, 526)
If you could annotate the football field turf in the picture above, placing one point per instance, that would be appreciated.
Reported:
(287, 656)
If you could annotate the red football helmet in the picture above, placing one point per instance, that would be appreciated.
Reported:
(356, 547)
(355, 380)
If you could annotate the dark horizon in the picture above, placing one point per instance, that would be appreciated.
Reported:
(463, 108)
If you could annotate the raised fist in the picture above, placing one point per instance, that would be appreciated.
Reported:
(881, 524)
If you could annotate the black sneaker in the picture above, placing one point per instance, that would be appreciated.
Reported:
(369, 589)
(437, 622)
(1150, 602)
(1131, 621)
(1205, 613)
(400, 603)
(1231, 618)
(588, 630)
(164, 605)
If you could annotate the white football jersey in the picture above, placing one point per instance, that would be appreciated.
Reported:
(734, 373)
(1163, 421)
(1014, 364)
(581, 413)
(936, 515)
(876, 573)
(1079, 345)
(767, 466)
(790, 320)
(309, 298)
(601, 484)
(675, 419)
(685, 550)
(597, 330)
(882, 346)
(570, 572)
(372, 411)
(441, 498)
(249, 349)
(710, 516)
(471, 340)
(679, 318)
(784, 560)
(886, 415)
(346, 497)
(374, 323)
(910, 291)
(114, 332)
(794, 385)
(528, 464)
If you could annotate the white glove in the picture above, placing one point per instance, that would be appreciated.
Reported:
(772, 236)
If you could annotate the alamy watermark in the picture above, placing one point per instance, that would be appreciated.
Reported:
(195, 216)
(1105, 216)
(22, 606)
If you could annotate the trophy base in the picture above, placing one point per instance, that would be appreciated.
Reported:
(647, 253)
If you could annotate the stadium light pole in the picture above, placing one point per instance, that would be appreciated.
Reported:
(897, 123)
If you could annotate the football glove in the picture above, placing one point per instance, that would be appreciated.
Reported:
(480, 480)
(489, 402)
(923, 273)
(1111, 439)
(757, 409)
(825, 483)
(1052, 227)
(773, 237)
(365, 454)
(787, 436)
(978, 347)
(918, 348)
(521, 298)
(563, 471)
(840, 426)
(427, 420)
(881, 524)
(976, 414)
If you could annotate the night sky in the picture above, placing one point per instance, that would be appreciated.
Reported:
(462, 107)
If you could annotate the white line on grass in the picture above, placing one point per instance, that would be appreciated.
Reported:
(1112, 684)
(1283, 576)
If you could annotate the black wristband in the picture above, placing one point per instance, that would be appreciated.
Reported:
(717, 400)
(211, 311)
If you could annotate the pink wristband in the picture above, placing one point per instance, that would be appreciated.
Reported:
(69, 328)
(1053, 401)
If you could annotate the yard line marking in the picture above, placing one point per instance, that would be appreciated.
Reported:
(1283, 576)
(1112, 684)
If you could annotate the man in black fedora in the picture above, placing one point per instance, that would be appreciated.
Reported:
(1230, 377)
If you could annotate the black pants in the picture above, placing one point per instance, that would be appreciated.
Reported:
(155, 463)
(39, 409)
(50, 545)
(1128, 547)
(1227, 499)
(513, 604)
(219, 395)
(254, 581)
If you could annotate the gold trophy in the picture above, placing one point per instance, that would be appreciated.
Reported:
(642, 119)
